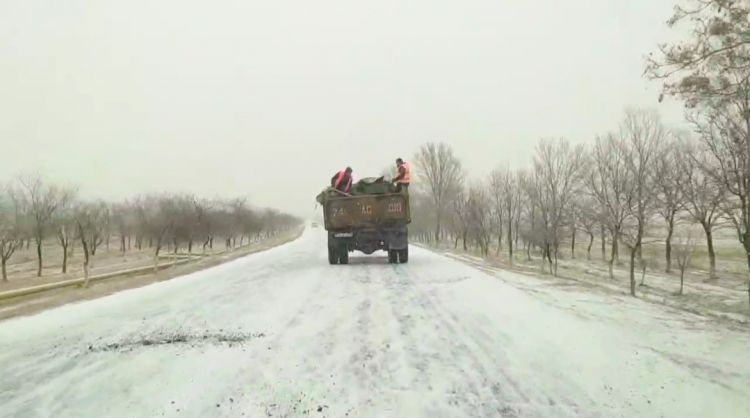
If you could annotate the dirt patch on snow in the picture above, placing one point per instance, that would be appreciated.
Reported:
(176, 338)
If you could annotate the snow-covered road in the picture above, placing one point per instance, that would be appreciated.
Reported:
(283, 334)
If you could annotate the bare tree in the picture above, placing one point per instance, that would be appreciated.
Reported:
(65, 228)
(642, 137)
(154, 214)
(41, 201)
(506, 189)
(589, 219)
(496, 191)
(102, 227)
(123, 222)
(703, 197)
(11, 230)
(90, 219)
(458, 222)
(204, 211)
(607, 182)
(478, 217)
(441, 171)
(684, 254)
(556, 181)
(725, 135)
(670, 196)
(520, 201)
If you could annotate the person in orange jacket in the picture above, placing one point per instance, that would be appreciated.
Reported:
(403, 176)
(342, 181)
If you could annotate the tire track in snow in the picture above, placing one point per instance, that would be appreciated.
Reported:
(470, 340)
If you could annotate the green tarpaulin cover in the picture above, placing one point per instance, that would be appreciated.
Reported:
(368, 185)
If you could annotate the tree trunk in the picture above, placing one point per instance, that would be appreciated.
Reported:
(39, 258)
(604, 243)
(463, 239)
(85, 275)
(156, 255)
(711, 254)
(591, 243)
(643, 271)
(455, 243)
(510, 241)
(573, 244)
(85, 263)
(549, 258)
(668, 246)
(682, 280)
(616, 247)
(5, 272)
(633, 253)
(557, 246)
(613, 250)
(437, 229)
(65, 258)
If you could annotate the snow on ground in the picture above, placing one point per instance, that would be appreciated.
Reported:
(282, 333)
(725, 297)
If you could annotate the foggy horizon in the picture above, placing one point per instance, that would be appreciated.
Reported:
(269, 100)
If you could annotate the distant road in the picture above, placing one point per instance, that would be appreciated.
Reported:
(283, 334)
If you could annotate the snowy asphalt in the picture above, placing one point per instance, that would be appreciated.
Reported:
(281, 333)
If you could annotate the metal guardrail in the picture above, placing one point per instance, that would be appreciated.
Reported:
(177, 259)
(9, 294)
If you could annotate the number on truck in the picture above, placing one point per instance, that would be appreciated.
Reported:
(395, 206)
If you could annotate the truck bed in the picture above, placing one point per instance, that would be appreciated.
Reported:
(366, 211)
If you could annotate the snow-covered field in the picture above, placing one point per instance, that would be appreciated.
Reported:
(282, 333)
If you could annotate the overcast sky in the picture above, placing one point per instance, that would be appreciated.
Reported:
(269, 98)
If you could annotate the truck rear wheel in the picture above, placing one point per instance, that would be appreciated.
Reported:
(333, 256)
(403, 255)
(392, 256)
(343, 256)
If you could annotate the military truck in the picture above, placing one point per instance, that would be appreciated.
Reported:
(373, 217)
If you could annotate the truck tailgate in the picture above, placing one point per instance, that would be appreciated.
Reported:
(368, 210)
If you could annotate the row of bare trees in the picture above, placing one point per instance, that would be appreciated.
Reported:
(33, 211)
(640, 176)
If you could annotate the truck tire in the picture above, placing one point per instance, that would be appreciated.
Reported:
(392, 256)
(333, 256)
(403, 255)
(343, 256)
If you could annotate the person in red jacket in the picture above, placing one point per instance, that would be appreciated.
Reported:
(342, 181)
(403, 176)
